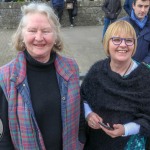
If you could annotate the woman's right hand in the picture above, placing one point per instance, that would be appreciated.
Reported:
(118, 130)
(93, 120)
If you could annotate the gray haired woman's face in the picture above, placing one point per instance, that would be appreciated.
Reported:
(39, 36)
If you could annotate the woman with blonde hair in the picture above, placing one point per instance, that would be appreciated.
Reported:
(116, 95)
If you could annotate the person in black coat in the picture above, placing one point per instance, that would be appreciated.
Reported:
(112, 9)
(73, 5)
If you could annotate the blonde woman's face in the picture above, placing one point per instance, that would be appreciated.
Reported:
(39, 36)
(121, 52)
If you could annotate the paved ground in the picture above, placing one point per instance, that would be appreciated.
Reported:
(82, 43)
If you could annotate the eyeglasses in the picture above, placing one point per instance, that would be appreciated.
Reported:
(118, 41)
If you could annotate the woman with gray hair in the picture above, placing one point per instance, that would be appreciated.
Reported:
(39, 89)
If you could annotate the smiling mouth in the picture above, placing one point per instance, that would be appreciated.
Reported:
(39, 45)
(122, 51)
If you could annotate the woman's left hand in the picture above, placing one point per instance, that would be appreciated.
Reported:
(118, 130)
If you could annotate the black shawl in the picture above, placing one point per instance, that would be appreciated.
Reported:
(117, 99)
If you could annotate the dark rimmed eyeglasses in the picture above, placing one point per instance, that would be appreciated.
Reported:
(118, 41)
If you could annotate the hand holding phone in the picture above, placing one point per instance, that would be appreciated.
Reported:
(105, 126)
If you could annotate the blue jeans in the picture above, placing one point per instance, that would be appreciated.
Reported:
(107, 22)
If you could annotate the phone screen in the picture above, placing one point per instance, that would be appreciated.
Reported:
(105, 126)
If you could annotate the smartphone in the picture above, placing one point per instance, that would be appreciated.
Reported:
(105, 126)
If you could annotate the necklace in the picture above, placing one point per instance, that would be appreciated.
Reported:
(127, 68)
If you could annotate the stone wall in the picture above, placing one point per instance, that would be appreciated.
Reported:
(89, 13)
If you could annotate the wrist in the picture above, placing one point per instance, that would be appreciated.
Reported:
(123, 131)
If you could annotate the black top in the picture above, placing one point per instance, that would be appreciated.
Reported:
(5, 139)
(46, 100)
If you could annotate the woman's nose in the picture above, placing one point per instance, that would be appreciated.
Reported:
(39, 36)
(123, 43)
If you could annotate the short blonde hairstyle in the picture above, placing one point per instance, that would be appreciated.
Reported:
(42, 8)
(117, 28)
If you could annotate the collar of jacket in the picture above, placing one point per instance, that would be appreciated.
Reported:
(18, 72)
(140, 23)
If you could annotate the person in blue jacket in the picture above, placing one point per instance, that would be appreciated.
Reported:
(140, 21)
(128, 6)
(58, 6)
